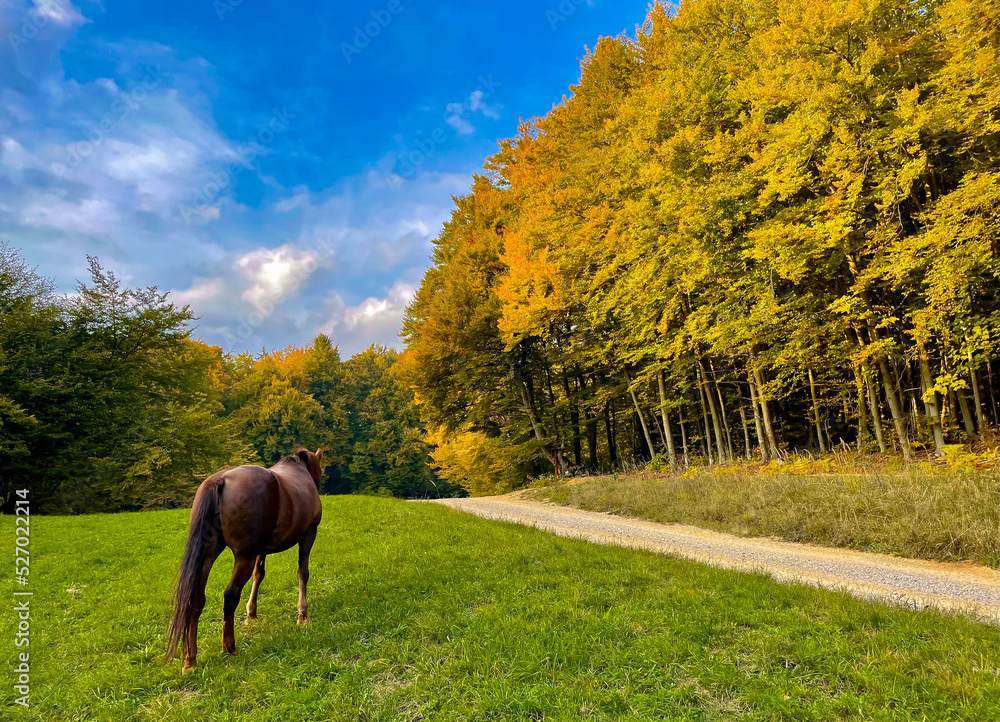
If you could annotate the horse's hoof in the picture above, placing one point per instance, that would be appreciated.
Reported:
(229, 650)
(302, 620)
(188, 668)
(250, 620)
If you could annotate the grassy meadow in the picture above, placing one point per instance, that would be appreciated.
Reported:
(912, 512)
(423, 613)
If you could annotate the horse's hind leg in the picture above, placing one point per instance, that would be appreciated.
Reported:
(197, 605)
(231, 598)
(305, 546)
(258, 577)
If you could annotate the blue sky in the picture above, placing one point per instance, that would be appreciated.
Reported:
(282, 167)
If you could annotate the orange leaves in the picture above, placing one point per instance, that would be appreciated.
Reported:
(748, 178)
(530, 290)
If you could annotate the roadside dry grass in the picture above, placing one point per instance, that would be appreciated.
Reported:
(916, 512)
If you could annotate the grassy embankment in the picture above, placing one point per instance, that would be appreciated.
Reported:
(943, 511)
(422, 613)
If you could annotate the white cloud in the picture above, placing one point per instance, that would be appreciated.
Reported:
(373, 226)
(152, 158)
(32, 33)
(88, 215)
(199, 294)
(274, 274)
(361, 236)
(95, 168)
(253, 275)
(153, 169)
(13, 154)
(299, 200)
(374, 320)
(456, 120)
(475, 103)
(375, 311)
(58, 11)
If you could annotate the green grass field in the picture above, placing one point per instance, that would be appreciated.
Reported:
(422, 613)
(912, 513)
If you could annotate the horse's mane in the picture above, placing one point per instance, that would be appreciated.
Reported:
(310, 461)
(294, 456)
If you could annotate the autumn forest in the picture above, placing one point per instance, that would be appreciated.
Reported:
(750, 230)
(754, 228)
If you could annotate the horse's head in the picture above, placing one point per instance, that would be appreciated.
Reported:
(311, 461)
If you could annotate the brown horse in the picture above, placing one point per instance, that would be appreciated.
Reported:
(255, 512)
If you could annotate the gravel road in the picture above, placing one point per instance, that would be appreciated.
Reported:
(961, 587)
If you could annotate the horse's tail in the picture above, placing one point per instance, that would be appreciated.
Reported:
(204, 528)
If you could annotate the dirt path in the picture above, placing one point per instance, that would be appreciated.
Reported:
(917, 584)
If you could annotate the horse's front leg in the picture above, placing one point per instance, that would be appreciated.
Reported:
(231, 598)
(305, 546)
(258, 577)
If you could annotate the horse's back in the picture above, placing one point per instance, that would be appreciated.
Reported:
(249, 507)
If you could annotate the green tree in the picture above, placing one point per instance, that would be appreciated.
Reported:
(388, 450)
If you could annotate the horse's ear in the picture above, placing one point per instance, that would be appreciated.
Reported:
(303, 455)
(319, 454)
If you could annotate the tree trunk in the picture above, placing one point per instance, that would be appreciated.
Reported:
(722, 410)
(707, 442)
(862, 407)
(993, 396)
(866, 376)
(656, 423)
(755, 404)
(963, 404)
(591, 419)
(548, 384)
(931, 401)
(639, 444)
(684, 437)
(574, 418)
(876, 412)
(743, 423)
(819, 429)
(642, 416)
(528, 397)
(609, 432)
(895, 408)
(668, 435)
(714, 411)
(707, 438)
(974, 377)
(765, 411)
(592, 439)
